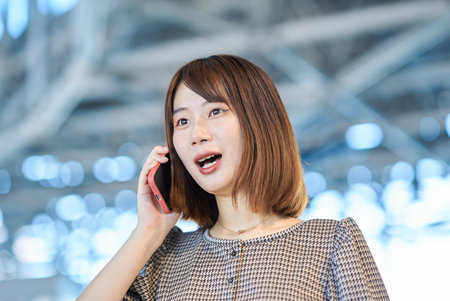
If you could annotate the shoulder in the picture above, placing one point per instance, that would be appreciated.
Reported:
(329, 235)
(353, 271)
(329, 229)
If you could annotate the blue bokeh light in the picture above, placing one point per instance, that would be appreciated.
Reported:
(402, 171)
(44, 226)
(429, 128)
(42, 6)
(4, 235)
(87, 222)
(106, 217)
(55, 7)
(315, 183)
(33, 168)
(2, 26)
(5, 181)
(59, 7)
(129, 149)
(17, 13)
(447, 124)
(364, 136)
(50, 172)
(126, 200)
(71, 173)
(17, 17)
(94, 202)
(359, 174)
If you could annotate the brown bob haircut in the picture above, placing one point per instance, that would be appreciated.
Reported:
(269, 170)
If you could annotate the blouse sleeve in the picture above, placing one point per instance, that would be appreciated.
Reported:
(353, 272)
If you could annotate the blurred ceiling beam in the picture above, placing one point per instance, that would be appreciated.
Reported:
(328, 27)
(389, 56)
(57, 101)
(377, 64)
(424, 77)
(344, 101)
(57, 104)
(356, 22)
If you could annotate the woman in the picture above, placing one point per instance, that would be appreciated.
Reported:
(235, 171)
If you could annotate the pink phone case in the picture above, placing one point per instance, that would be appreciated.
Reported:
(155, 189)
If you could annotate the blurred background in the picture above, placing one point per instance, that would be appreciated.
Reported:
(82, 83)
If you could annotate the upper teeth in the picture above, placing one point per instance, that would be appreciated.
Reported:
(201, 160)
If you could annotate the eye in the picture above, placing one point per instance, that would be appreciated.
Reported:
(216, 111)
(181, 122)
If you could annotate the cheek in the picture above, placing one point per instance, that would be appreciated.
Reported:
(180, 149)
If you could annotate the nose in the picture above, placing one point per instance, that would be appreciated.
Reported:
(200, 133)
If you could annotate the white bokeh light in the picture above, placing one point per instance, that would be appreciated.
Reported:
(364, 136)
(429, 168)
(327, 204)
(396, 196)
(29, 248)
(17, 17)
(361, 204)
(106, 170)
(127, 168)
(70, 207)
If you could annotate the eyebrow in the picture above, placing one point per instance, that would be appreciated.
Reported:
(184, 108)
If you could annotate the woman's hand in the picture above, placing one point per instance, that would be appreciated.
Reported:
(150, 215)
(153, 226)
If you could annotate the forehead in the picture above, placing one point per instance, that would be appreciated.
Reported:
(186, 98)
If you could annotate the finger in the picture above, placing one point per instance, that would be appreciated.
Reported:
(162, 149)
(157, 151)
(150, 165)
(145, 171)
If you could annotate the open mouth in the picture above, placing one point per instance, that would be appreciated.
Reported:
(208, 161)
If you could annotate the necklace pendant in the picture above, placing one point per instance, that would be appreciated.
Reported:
(240, 231)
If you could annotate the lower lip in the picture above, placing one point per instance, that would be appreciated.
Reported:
(211, 169)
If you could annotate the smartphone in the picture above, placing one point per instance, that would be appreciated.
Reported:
(159, 180)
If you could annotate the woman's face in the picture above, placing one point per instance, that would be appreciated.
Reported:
(207, 138)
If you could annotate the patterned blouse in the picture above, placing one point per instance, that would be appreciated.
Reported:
(312, 260)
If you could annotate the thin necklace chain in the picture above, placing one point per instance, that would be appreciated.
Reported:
(241, 231)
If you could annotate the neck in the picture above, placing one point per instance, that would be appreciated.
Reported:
(239, 220)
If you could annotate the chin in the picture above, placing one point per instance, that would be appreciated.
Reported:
(218, 189)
